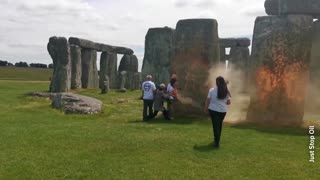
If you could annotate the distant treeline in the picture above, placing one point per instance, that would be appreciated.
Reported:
(24, 64)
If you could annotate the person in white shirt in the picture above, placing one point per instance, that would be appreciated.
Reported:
(217, 104)
(148, 93)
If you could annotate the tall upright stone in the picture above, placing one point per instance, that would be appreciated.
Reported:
(314, 103)
(108, 67)
(90, 78)
(158, 47)
(280, 67)
(76, 68)
(129, 63)
(196, 51)
(59, 50)
(285, 7)
(239, 61)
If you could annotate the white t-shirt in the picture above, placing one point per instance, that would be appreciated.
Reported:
(170, 90)
(219, 105)
(148, 88)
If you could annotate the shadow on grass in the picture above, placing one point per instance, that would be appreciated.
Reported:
(205, 148)
(295, 131)
(163, 121)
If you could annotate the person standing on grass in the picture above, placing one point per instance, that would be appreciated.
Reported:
(217, 104)
(148, 93)
(172, 92)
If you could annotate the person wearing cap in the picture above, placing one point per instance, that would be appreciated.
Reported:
(159, 99)
(148, 93)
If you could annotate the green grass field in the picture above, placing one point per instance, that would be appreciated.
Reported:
(38, 142)
(25, 74)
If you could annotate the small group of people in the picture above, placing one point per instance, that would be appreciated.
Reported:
(216, 104)
(155, 97)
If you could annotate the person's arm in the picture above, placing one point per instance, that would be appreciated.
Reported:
(142, 92)
(206, 105)
(228, 101)
(154, 89)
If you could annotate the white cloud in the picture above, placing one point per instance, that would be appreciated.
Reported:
(27, 25)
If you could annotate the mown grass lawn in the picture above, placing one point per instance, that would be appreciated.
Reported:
(38, 142)
(25, 73)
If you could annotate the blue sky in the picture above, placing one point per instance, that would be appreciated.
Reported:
(27, 25)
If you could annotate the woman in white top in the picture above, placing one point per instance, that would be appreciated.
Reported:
(217, 105)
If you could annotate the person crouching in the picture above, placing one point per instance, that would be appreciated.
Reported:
(159, 99)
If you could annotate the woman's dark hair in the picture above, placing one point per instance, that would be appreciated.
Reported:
(173, 81)
(222, 88)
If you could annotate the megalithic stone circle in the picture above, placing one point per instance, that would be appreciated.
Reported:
(59, 50)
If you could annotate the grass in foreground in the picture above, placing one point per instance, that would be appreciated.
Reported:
(38, 142)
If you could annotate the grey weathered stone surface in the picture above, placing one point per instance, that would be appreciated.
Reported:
(196, 51)
(235, 42)
(76, 104)
(313, 104)
(42, 94)
(76, 66)
(122, 80)
(108, 66)
(99, 46)
(239, 57)
(90, 78)
(105, 87)
(59, 50)
(238, 62)
(280, 68)
(300, 7)
(158, 47)
(129, 64)
(315, 55)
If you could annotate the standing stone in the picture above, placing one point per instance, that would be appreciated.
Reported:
(239, 60)
(129, 63)
(285, 7)
(108, 66)
(123, 80)
(280, 66)
(105, 87)
(234, 42)
(313, 103)
(196, 51)
(76, 70)
(90, 78)
(59, 50)
(158, 47)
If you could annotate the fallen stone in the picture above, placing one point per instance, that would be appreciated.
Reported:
(42, 94)
(76, 104)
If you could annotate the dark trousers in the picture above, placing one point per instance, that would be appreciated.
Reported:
(147, 106)
(217, 120)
